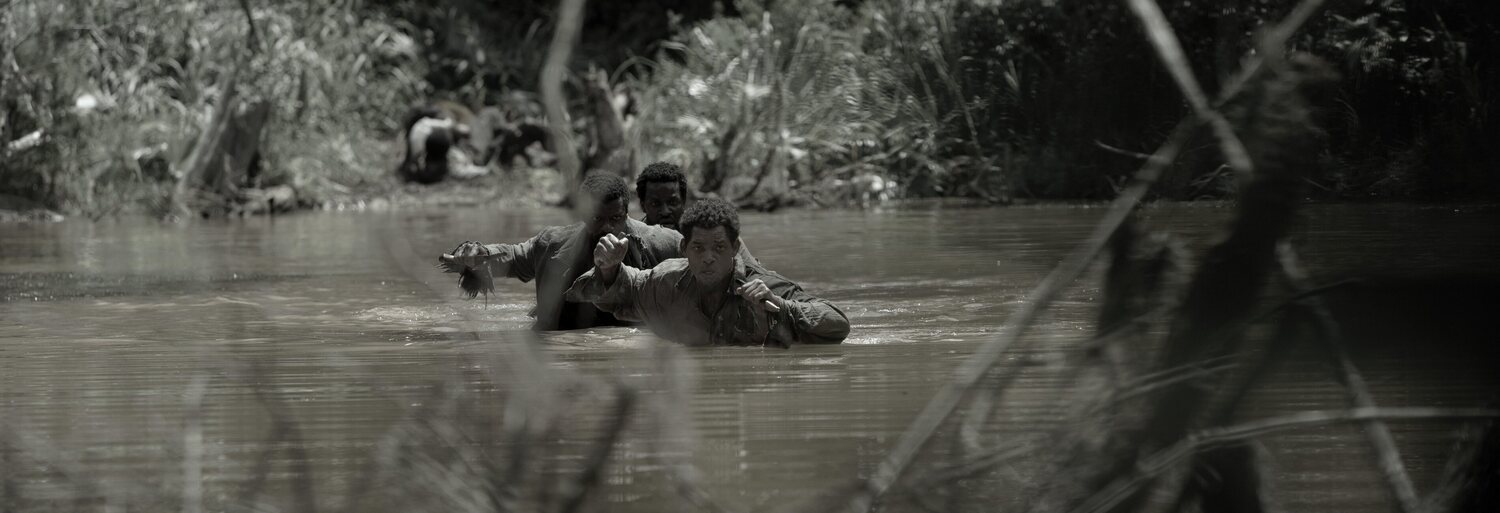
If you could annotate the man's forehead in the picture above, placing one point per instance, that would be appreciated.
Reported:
(661, 189)
(608, 207)
(705, 234)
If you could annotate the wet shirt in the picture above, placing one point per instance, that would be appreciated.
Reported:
(557, 255)
(664, 298)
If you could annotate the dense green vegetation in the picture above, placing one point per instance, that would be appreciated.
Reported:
(119, 91)
(1010, 100)
(995, 100)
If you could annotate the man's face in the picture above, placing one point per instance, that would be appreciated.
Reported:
(662, 202)
(607, 218)
(710, 254)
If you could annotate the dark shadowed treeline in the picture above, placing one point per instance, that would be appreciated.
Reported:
(770, 103)
(1020, 99)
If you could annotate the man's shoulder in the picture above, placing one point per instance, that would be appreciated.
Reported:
(754, 269)
(556, 235)
(671, 268)
(642, 229)
(652, 234)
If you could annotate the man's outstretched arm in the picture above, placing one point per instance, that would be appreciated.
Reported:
(610, 285)
(815, 321)
(477, 264)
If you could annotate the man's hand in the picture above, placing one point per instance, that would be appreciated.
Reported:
(608, 254)
(757, 292)
(467, 255)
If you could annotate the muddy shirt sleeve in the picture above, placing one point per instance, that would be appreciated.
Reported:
(627, 298)
(807, 319)
(519, 261)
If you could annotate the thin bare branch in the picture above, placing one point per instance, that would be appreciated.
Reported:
(588, 480)
(1473, 472)
(10, 493)
(564, 37)
(517, 361)
(1379, 435)
(254, 37)
(1160, 33)
(1121, 151)
(676, 438)
(969, 373)
(982, 459)
(980, 462)
(192, 446)
(1169, 458)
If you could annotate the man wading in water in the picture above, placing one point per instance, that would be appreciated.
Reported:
(663, 191)
(712, 297)
(559, 254)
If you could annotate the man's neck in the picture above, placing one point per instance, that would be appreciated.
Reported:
(711, 295)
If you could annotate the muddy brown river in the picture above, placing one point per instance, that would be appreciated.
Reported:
(139, 361)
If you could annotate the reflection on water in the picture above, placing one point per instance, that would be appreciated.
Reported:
(341, 317)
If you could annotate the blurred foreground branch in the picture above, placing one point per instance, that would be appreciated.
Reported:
(1349, 376)
(564, 37)
(1198, 442)
(969, 373)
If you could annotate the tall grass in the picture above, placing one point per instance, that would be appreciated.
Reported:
(776, 96)
(1021, 99)
(120, 89)
(945, 97)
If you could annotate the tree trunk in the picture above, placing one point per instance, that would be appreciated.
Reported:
(224, 158)
(609, 152)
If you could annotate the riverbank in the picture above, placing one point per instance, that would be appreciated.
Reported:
(517, 189)
(543, 188)
(1012, 102)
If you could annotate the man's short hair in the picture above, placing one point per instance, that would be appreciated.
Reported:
(602, 188)
(708, 213)
(661, 172)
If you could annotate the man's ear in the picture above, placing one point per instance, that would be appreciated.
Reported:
(736, 244)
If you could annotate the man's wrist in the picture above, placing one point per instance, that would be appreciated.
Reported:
(779, 301)
(608, 274)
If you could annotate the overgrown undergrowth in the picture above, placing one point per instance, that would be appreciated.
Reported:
(1031, 99)
(115, 94)
(823, 102)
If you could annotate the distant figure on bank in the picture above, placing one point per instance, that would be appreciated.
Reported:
(429, 133)
(663, 192)
(509, 135)
(435, 139)
(557, 255)
(711, 297)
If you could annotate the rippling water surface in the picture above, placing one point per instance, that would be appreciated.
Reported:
(345, 328)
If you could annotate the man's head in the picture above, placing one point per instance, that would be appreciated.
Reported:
(662, 190)
(605, 207)
(710, 239)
